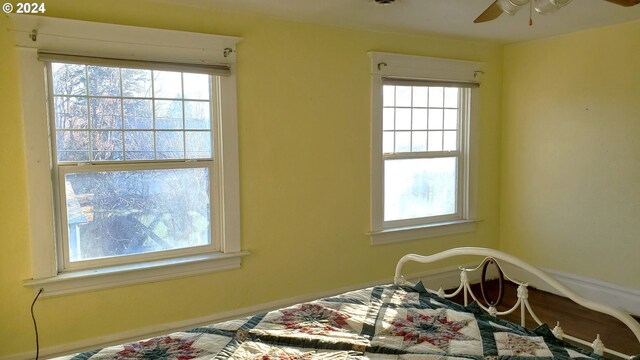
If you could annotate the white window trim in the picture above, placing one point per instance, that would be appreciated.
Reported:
(424, 68)
(33, 33)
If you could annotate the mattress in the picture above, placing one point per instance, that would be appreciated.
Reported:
(381, 322)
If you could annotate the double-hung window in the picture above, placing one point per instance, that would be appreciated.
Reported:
(423, 111)
(132, 156)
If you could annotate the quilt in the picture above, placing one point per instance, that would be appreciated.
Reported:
(381, 322)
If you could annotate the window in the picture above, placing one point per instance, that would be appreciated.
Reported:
(135, 151)
(421, 160)
(121, 139)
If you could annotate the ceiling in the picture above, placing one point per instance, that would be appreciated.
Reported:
(433, 17)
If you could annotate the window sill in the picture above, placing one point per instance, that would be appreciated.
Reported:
(408, 233)
(114, 276)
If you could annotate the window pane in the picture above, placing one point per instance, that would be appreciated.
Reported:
(167, 84)
(419, 119)
(198, 144)
(139, 145)
(136, 83)
(435, 141)
(436, 97)
(388, 118)
(403, 96)
(388, 95)
(71, 112)
(169, 145)
(106, 145)
(420, 96)
(138, 114)
(419, 141)
(119, 213)
(197, 115)
(435, 119)
(403, 119)
(451, 119)
(450, 142)
(451, 97)
(416, 188)
(73, 145)
(196, 86)
(106, 113)
(69, 79)
(168, 114)
(403, 141)
(104, 81)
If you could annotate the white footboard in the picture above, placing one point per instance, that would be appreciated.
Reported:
(522, 303)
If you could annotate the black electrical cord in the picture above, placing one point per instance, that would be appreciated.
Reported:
(35, 325)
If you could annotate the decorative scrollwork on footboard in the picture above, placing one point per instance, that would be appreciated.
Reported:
(492, 257)
(483, 283)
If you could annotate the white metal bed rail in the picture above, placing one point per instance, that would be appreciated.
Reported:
(522, 293)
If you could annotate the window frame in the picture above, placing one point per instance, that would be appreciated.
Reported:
(60, 169)
(386, 67)
(143, 44)
(460, 154)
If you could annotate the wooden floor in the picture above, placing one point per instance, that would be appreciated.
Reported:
(574, 319)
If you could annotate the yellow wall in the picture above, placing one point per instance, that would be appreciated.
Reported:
(570, 189)
(304, 124)
(14, 260)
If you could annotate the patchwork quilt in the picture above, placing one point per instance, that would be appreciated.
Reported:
(382, 322)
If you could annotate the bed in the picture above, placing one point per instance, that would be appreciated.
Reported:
(403, 320)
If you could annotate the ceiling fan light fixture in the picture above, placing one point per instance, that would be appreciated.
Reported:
(498, 7)
(548, 6)
(511, 6)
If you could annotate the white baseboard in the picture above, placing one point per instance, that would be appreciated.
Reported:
(448, 278)
(600, 291)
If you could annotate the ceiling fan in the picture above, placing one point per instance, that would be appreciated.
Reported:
(541, 6)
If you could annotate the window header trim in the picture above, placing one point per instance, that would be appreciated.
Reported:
(426, 82)
(68, 36)
(424, 67)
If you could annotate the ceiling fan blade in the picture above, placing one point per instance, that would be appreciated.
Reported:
(625, 2)
(492, 12)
